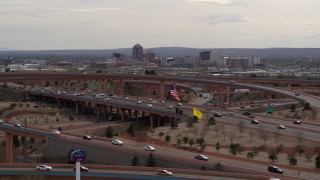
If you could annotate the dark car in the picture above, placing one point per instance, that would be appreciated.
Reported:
(111, 118)
(82, 168)
(254, 121)
(297, 122)
(216, 114)
(246, 113)
(251, 116)
(275, 169)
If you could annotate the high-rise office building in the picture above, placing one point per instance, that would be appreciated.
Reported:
(150, 56)
(137, 52)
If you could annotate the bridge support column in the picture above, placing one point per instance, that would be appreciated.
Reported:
(98, 110)
(151, 121)
(104, 111)
(228, 95)
(269, 99)
(129, 113)
(110, 110)
(122, 114)
(64, 102)
(59, 103)
(289, 86)
(83, 107)
(161, 89)
(118, 110)
(221, 96)
(121, 87)
(9, 137)
(100, 86)
(77, 107)
(143, 114)
(159, 121)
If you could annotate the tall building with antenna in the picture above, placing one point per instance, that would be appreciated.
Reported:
(137, 52)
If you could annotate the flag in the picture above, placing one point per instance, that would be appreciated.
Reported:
(174, 93)
(197, 113)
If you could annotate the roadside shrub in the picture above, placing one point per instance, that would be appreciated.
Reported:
(250, 155)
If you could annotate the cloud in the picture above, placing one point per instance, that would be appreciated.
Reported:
(312, 23)
(222, 2)
(228, 18)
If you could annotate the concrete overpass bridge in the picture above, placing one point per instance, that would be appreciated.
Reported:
(224, 88)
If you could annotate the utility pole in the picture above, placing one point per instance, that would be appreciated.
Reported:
(25, 122)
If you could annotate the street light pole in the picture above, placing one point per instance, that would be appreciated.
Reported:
(25, 122)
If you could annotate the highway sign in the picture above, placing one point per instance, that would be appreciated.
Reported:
(95, 84)
(77, 156)
(269, 109)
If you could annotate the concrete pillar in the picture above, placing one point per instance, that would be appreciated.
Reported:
(9, 137)
(122, 114)
(121, 87)
(77, 107)
(228, 95)
(98, 110)
(269, 99)
(159, 121)
(151, 121)
(59, 103)
(289, 86)
(129, 113)
(64, 102)
(161, 89)
(111, 109)
(104, 111)
(118, 110)
(83, 107)
(220, 96)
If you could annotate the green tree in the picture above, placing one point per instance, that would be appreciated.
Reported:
(160, 134)
(185, 140)
(307, 106)
(273, 156)
(191, 142)
(179, 142)
(203, 168)
(109, 132)
(293, 161)
(168, 137)
(23, 139)
(317, 159)
(69, 155)
(132, 130)
(135, 161)
(151, 161)
(16, 141)
(200, 141)
(218, 147)
(32, 140)
(212, 121)
(250, 155)
(293, 107)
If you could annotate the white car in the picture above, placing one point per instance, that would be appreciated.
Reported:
(56, 132)
(281, 126)
(150, 105)
(163, 101)
(149, 99)
(164, 173)
(43, 168)
(117, 142)
(1, 121)
(107, 99)
(149, 148)
(139, 102)
(169, 107)
(179, 104)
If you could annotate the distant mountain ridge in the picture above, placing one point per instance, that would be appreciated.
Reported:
(175, 51)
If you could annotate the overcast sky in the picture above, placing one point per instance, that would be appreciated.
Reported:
(108, 24)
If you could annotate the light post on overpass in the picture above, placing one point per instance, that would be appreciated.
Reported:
(25, 122)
